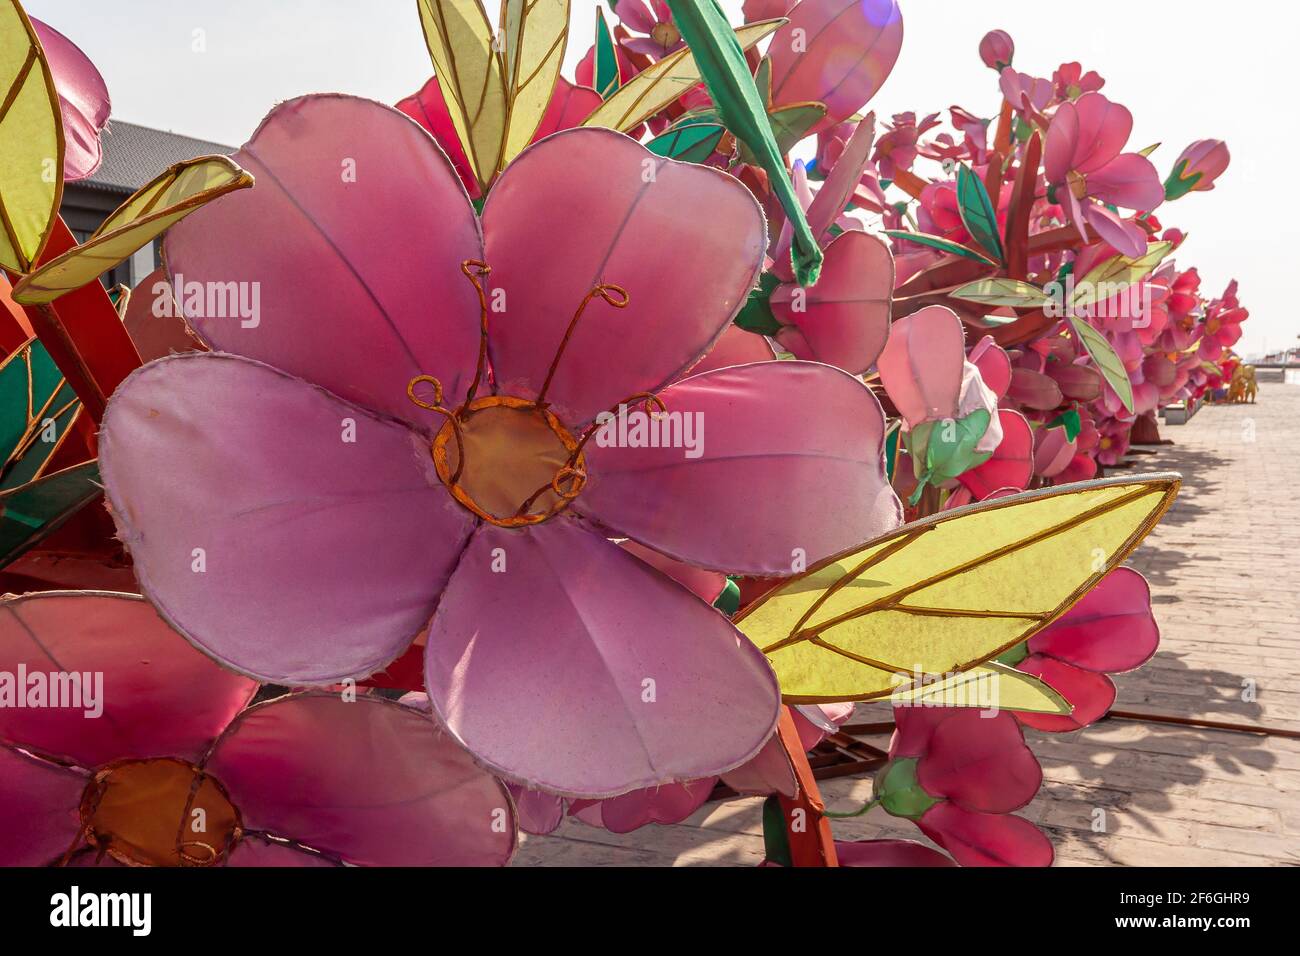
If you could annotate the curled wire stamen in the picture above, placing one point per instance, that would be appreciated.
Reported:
(441, 409)
(653, 405)
(181, 850)
(613, 295)
(476, 270)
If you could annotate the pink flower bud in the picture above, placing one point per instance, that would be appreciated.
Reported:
(996, 50)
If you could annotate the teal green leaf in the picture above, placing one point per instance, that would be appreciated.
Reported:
(977, 212)
(756, 315)
(776, 844)
(31, 512)
(730, 83)
(1070, 421)
(691, 142)
(37, 407)
(938, 242)
(605, 69)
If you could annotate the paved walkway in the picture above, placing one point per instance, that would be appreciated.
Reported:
(1224, 568)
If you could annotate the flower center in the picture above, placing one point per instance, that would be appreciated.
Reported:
(666, 34)
(1078, 184)
(511, 461)
(159, 812)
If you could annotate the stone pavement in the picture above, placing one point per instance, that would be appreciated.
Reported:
(1224, 568)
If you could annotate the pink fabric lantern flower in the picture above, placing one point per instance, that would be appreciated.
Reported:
(1071, 82)
(655, 20)
(135, 732)
(437, 414)
(1110, 630)
(997, 50)
(83, 102)
(1084, 163)
(1196, 169)
(959, 776)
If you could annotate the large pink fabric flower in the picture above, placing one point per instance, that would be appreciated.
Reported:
(655, 20)
(83, 102)
(157, 731)
(1083, 161)
(959, 775)
(333, 515)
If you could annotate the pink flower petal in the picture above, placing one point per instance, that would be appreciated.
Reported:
(256, 850)
(83, 102)
(913, 728)
(570, 105)
(369, 782)
(428, 107)
(1104, 128)
(736, 347)
(705, 585)
(322, 558)
(837, 52)
(670, 803)
(39, 808)
(656, 686)
(994, 365)
(157, 695)
(1130, 181)
(889, 853)
(1033, 390)
(1110, 629)
(539, 813)
(591, 206)
(1090, 693)
(921, 365)
(156, 335)
(352, 241)
(986, 839)
(980, 763)
(844, 318)
(805, 435)
(769, 772)
(1012, 465)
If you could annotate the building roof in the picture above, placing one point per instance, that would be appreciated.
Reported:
(133, 155)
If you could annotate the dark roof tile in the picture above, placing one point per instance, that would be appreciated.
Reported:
(133, 155)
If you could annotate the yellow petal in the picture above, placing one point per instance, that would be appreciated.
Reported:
(985, 686)
(654, 88)
(145, 216)
(535, 33)
(468, 66)
(31, 142)
(952, 591)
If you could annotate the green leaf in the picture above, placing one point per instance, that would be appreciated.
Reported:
(1108, 363)
(790, 125)
(605, 67)
(1179, 184)
(938, 242)
(722, 64)
(756, 316)
(776, 844)
(977, 212)
(728, 602)
(37, 407)
(942, 450)
(28, 514)
(1108, 279)
(1070, 421)
(1000, 292)
(899, 792)
(688, 142)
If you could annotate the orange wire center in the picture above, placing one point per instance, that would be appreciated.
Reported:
(159, 812)
(511, 461)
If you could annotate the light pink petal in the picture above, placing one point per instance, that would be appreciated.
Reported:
(736, 347)
(705, 585)
(1130, 181)
(155, 697)
(323, 533)
(994, 365)
(805, 435)
(1080, 383)
(636, 15)
(1012, 465)
(1091, 694)
(986, 839)
(591, 206)
(842, 183)
(670, 803)
(844, 318)
(539, 813)
(581, 671)
(815, 722)
(352, 240)
(837, 52)
(1062, 142)
(1053, 451)
(256, 850)
(769, 772)
(570, 105)
(367, 781)
(1033, 389)
(1104, 128)
(1126, 236)
(922, 363)
(39, 808)
(428, 107)
(1110, 629)
(889, 853)
(83, 102)
(980, 762)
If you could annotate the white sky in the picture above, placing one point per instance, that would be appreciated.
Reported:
(1187, 69)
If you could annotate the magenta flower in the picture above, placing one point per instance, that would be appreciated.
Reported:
(426, 435)
(897, 150)
(1109, 631)
(1071, 82)
(159, 731)
(959, 776)
(1196, 169)
(1083, 162)
(654, 20)
(997, 49)
(83, 102)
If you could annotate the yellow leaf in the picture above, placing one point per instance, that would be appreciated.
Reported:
(535, 34)
(950, 592)
(1113, 276)
(146, 215)
(31, 142)
(986, 686)
(467, 63)
(654, 88)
